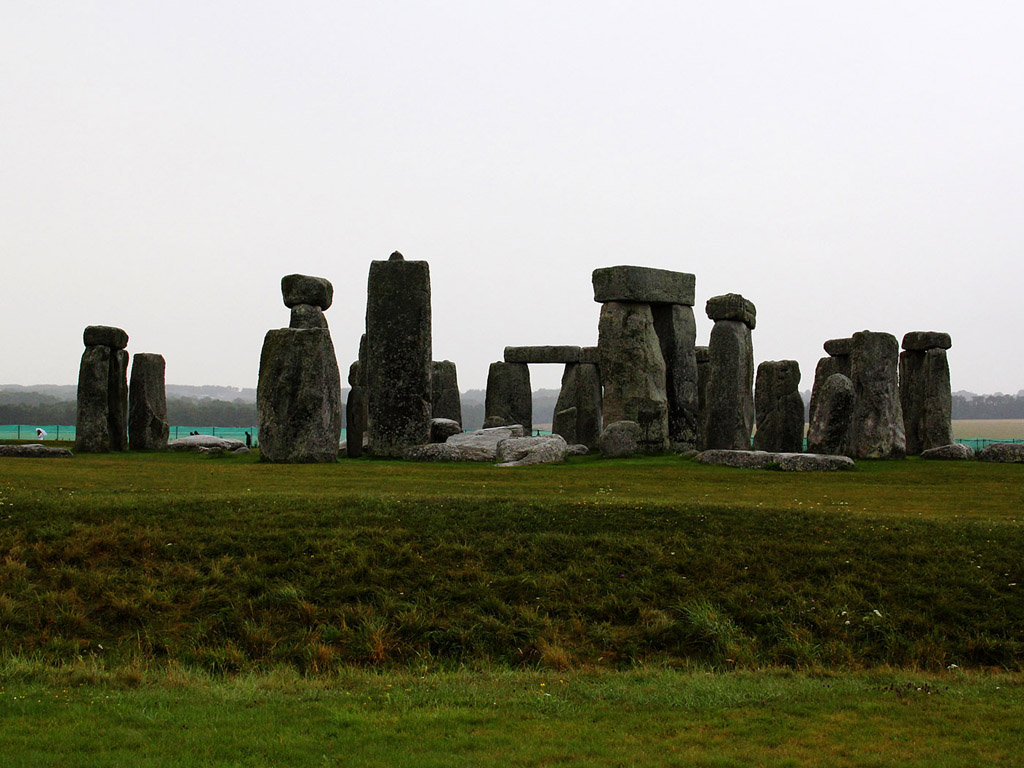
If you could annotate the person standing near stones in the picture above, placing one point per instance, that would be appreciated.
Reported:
(248, 440)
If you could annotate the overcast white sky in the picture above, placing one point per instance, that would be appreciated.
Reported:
(843, 165)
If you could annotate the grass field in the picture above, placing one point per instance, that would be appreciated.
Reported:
(173, 582)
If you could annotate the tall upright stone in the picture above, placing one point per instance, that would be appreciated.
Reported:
(446, 401)
(837, 361)
(876, 431)
(703, 372)
(778, 407)
(577, 415)
(398, 344)
(829, 430)
(925, 391)
(729, 398)
(102, 418)
(357, 414)
(633, 372)
(509, 398)
(147, 404)
(298, 396)
(677, 332)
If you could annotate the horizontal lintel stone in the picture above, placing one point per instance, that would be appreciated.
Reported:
(644, 285)
(564, 354)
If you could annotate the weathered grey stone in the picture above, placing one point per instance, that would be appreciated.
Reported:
(117, 392)
(643, 285)
(729, 396)
(703, 358)
(732, 306)
(304, 289)
(633, 372)
(921, 341)
(926, 399)
(590, 355)
(509, 399)
(877, 424)
(442, 429)
(307, 316)
(620, 440)
(578, 409)
(398, 344)
(1004, 453)
(195, 442)
(147, 404)
(577, 450)
(524, 451)
(785, 462)
(92, 430)
(356, 411)
(437, 452)
(564, 354)
(446, 402)
(34, 451)
(298, 397)
(677, 332)
(838, 348)
(826, 367)
(829, 431)
(778, 407)
(104, 336)
(482, 445)
(951, 452)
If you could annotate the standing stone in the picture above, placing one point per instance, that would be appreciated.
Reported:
(578, 409)
(877, 430)
(829, 431)
(444, 386)
(838, 361)
(703, 371)
(779, 408)
(729, 400)
(677, 332)
(925, 392)
(509, 399)
(356, 410)
(298, 397)
(398, 344)
(633, 372)
(147, 404)
(102, 419)
(117, 391)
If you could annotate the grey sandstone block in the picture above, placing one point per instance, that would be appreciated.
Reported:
(644, 285)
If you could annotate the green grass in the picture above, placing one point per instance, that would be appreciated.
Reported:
(230, 565)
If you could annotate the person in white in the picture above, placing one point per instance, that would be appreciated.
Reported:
(40, 433)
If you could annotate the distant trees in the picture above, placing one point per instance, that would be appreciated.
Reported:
(997, 406)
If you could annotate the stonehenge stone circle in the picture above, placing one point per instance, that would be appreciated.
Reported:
(398, 347)
(829, 431)
(147, 404)
(729, 398)
(304, 289)
(509, 398)
(446, 402)
(778, 407)
(102, 410)
(925, 393)
(877, 430)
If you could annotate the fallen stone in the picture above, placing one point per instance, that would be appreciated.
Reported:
(877, 430)
(509, 399)
(829, 430)
(565, 354)
(304, 289)
(732, 306)
(1004, 453)
(307, 316)
(524, 451)
(482, 445)
(644, 285)
(147, 404)
(34, 451)
(437, 452)
(951, 452)
(577, 450)
(838, 347)
(920, 341)
(786, 462)
(779, 408)
(620, 440)
(442, 429)
(195, 442)
(105, 336)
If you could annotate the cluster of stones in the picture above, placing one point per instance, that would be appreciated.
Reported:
(102, 419)
(298, 397)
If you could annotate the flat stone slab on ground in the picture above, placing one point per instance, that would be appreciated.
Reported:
(921, 341)
(523, 451)
(34, 451)
(1005, 453)
(951, 452)
(197, 442)
(644, 285)
(481, 445)
(549, 354)
(786, 462)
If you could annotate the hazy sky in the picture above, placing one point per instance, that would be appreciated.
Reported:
(842, 165)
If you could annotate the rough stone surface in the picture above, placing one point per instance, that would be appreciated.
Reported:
(829, 431)
(620, 439)
(577, 450)
(877, 430)
(117, 392)
(298, 397)
(509, 399)
(590, 355)
(442, 429)
(307, 316)
(778, 407)
(523, 451)
(643, 285)
(926, 399)
(304, 289)
(951, 452)
(357, 407)
(196, 442)
(438, 452)
(102, 418)
(564, 354)
(838, 347)
(677, 333)
(1005, 453)
(633, 372)
(703, 357)
(921, 341)
(34, 451)
(786, 462)
(826, 367)
(482, 445)
(732, 306)
(104, 336)
(398, 344)
(446, 402)
(147, 404)
(578, 409)
(729, 396)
